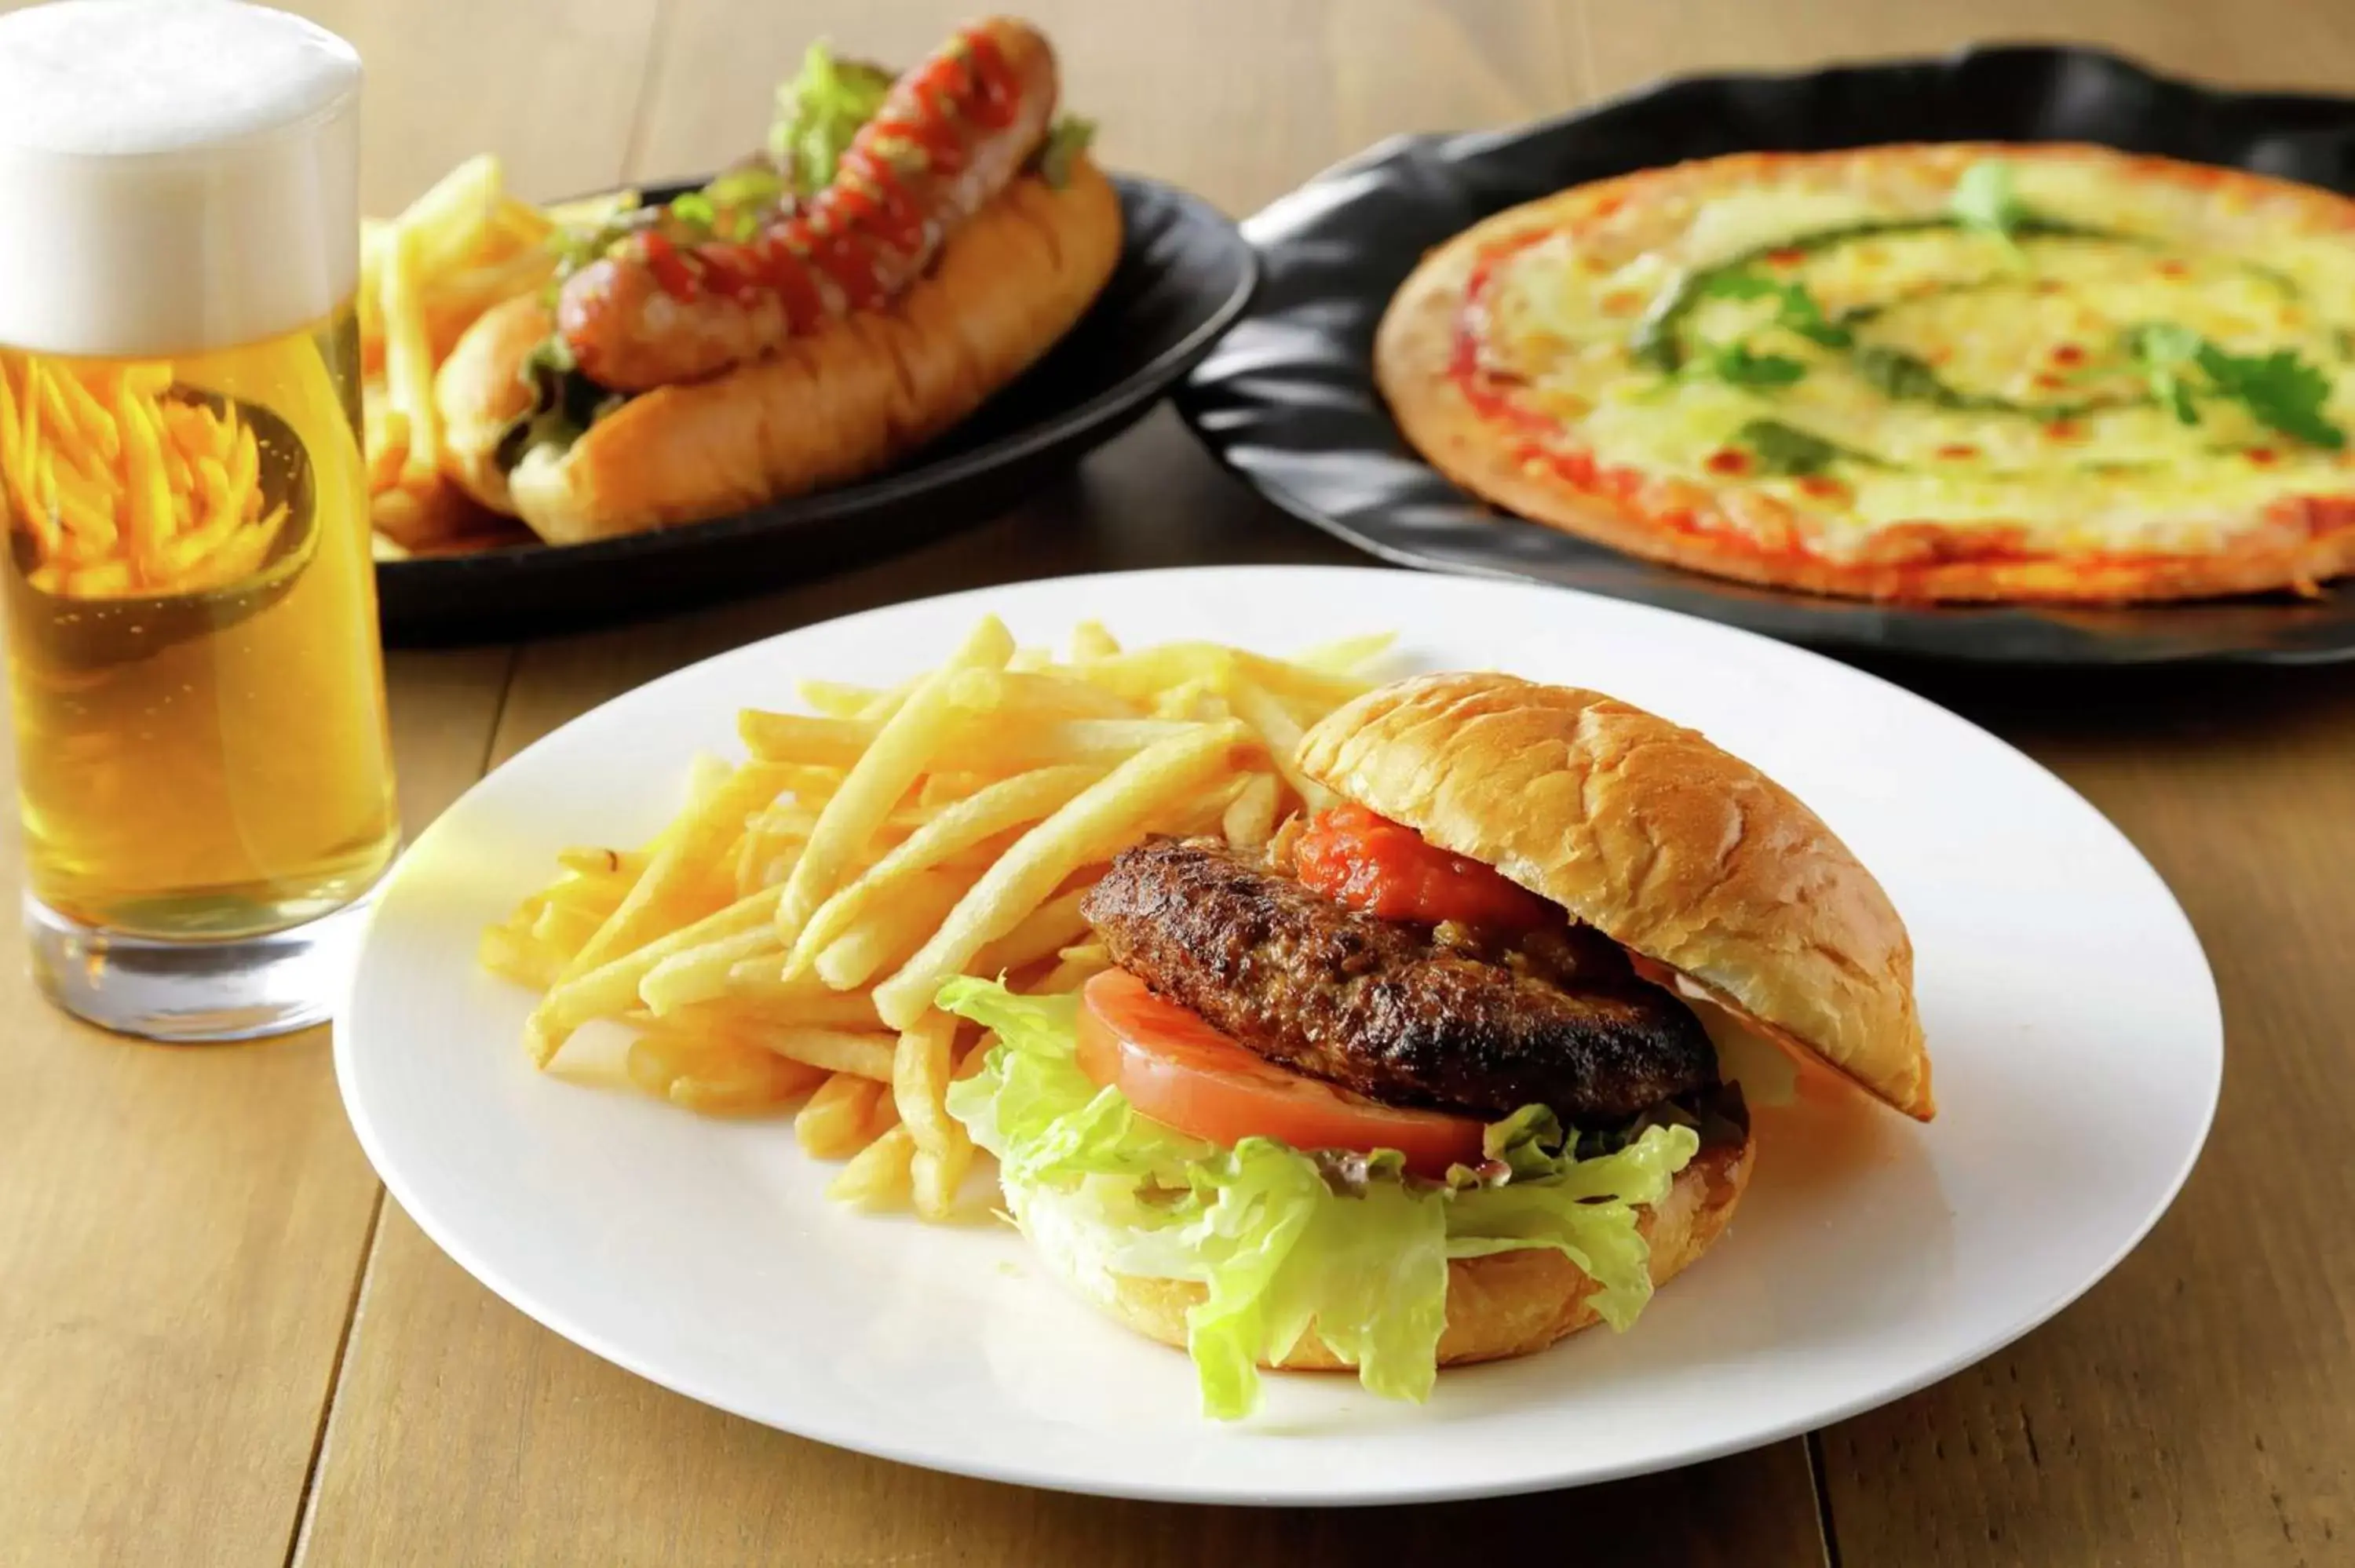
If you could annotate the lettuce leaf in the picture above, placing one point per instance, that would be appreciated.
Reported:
(564, 403)
(1284, 1242)
(1066, 140)
(819, 112)
(1044, 1120)
(1584, 1209)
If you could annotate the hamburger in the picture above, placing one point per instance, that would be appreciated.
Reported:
(1454, 1070)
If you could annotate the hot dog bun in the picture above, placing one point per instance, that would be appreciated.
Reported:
(480, 391)
(844, 401)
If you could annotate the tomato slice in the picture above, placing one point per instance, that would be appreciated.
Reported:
(1180, 1071)
(1386, 868)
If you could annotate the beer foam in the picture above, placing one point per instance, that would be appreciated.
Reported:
(177, 176)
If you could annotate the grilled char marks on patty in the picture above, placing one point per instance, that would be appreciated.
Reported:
(1392, 1011)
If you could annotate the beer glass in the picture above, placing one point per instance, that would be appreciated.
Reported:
(194, 673)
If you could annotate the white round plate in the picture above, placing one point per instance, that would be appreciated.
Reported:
(1872, 1256)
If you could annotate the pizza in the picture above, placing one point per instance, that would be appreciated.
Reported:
(1966, 371)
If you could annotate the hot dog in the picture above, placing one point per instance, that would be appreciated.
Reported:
(913, 244)
(950, 136)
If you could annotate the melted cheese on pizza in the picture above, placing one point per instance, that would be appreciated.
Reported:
(2108, 366)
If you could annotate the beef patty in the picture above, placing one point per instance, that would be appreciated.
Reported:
(1401, 1013)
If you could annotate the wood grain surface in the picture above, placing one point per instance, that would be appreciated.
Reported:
(219, 1345)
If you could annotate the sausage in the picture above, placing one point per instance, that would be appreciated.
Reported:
(1392, 1011)
(951, 134)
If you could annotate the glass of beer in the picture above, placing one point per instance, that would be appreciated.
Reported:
(194, 673)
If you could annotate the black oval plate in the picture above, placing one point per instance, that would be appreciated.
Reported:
(1185, 274)
(1288, 401)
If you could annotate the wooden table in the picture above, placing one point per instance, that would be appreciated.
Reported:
(220, 1344)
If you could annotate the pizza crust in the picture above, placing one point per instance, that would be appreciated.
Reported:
(2292, 547)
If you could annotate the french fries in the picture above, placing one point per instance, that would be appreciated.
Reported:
(920, 1066)
(581, 994)
(992, 808)
(1114, 812)
(782, 939)
(464, 246)
(1260, 708)
(1249, 821)
(1074, 967)
(125, 486)
(843, 1115)
(900, 752)
(715, 1074)
(409, 364)
(880, 1176)
(899, 927)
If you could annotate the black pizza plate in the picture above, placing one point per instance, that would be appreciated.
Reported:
(1184, 276)
(1287, 399)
